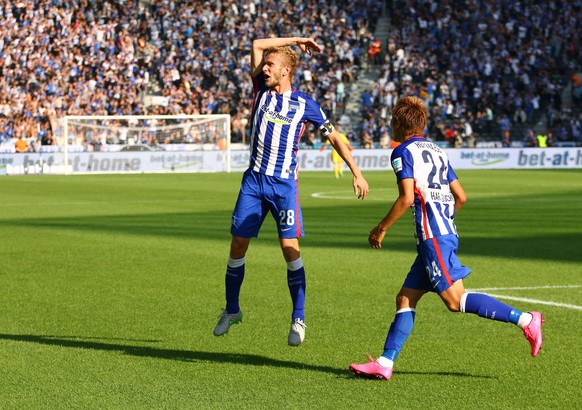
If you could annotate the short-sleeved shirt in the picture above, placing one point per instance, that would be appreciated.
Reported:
(278, 121)
(436, 267)
(434, 204)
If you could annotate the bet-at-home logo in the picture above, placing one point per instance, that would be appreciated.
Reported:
(483, 158)
(275, 117)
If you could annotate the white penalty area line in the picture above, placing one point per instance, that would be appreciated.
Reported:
(348, 195)
(537, 301)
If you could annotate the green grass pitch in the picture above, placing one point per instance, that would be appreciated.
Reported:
(110, 286)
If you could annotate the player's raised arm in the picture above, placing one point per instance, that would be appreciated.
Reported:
(360, 184)
(306, 44)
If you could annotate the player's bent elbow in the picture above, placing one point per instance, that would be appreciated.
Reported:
(458, 193)
(461, 199)
(407, 201)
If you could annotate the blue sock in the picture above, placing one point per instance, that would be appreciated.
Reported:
(488, 307)
(296, 282)
(235, 273)
(399, 331)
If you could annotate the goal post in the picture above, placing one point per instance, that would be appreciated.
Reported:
(202, 136)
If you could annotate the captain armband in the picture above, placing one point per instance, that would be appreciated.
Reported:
(326, 128)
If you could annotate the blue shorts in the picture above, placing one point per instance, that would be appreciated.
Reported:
(260, 194)
(436, 267)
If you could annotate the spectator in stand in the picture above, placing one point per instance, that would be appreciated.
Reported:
(542, 140)
(530, 140)
(21, 145)
(550, 139)
(374, 52)
(506, 139)
(47, 137)
(385, 140)
(367, 141)
(504, 123)
(457, 140)
(576, 126)
(309, 139)
(449, 133)
(367, 101)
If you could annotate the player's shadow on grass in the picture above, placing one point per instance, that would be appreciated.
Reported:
(197, 356)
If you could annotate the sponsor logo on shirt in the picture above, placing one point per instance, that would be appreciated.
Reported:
(397, 164)
(275, 117)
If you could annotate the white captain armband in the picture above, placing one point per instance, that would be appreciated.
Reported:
(326, 128)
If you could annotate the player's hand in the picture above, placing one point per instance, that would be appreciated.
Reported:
(361, 188)
(308, 45)
(376, 236)
(321, 149)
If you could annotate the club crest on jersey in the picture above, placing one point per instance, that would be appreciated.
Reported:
(294, 106)
(275, 117)
(397, 164)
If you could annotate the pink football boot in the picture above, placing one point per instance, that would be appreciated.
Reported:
(371, 369)
(533, 333)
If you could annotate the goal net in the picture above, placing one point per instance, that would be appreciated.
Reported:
(183, 143)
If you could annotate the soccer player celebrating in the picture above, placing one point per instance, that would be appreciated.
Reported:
(269, 184)
(428, 185)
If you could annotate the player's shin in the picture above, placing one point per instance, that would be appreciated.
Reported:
(399, 331)
(235, 273)
(296, 282)
(490, 308)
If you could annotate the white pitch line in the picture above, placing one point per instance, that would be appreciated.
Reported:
(530, 287)
(541, 302)
(344, 195)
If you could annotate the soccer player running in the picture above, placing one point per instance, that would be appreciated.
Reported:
(428, 185)
(279, 117)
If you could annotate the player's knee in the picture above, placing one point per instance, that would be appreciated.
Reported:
(404, 301)
(453, 305)
(290, 248)
(238, 247)
(290, 251)
(291, 254)
(401, 300)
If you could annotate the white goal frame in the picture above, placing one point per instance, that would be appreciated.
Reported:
(204, 118)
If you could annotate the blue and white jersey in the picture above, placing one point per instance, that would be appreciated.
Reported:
(434, 204)
(278, 121)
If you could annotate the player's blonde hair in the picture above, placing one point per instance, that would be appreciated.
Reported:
(409, 117)
(288, 55)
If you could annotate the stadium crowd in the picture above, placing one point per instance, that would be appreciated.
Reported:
(476, 66)
(486, 67)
